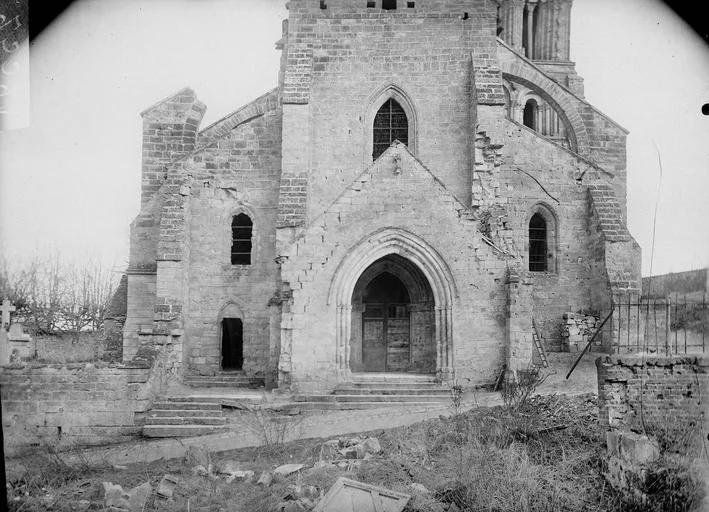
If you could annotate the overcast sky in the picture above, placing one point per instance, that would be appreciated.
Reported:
(71, 180)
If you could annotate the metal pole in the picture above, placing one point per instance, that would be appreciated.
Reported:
(588, 345)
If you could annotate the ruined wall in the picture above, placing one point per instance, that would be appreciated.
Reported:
(654, 414)
(237, 172)
(655, 390)
(62, 406)
(540, 176)
(397, 191)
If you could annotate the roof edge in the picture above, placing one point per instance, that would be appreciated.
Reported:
(566, 89)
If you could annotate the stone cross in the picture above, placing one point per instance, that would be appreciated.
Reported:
(6, 309)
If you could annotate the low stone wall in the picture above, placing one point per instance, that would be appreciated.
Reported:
(63, 406)
(636, 391)
(654, 412)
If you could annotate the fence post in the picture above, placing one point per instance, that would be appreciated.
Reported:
(668, 304)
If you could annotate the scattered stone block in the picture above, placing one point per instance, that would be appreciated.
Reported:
(198, 456)
(351, 496)
(630, 455)
(133, 501)
(329, 450)
(420, 488)
(240, 475)
(167, 485)
(288, 469)
(227, 467)
(80, 506)
(200, 471)
(369, 446)
(265, 479)
(349, 452)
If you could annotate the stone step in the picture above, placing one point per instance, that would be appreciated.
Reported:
(180, 430)
(405, 378)
(222, 384)
(184, 404)
(393, 385)
(212, 399)
(392, 391)
(370, 398)
(180, 420)
(347, 406)
(184, 413)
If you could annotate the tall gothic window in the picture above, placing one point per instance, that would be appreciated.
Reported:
(241, 231)
(537, 243)
(390, 124)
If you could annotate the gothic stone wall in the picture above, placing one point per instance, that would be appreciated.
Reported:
(414, 201)
(557, 180)
(342, 57)
(239, 173)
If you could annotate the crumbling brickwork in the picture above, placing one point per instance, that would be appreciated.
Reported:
(636, 392)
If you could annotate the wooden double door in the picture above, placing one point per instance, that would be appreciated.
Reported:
(386, 337)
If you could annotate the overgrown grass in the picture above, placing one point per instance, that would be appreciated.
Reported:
(546, 455)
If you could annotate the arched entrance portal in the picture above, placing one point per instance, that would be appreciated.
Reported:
(393, 321)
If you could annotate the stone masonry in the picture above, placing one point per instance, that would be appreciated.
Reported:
(497, 136)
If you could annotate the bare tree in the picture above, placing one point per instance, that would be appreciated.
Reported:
(53, 297)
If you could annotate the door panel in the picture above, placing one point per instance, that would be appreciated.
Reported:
(398, 344)
(373, 345)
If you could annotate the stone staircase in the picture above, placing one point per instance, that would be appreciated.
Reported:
(182, 417)
(223, 380)
(367, 391)
(197, 409)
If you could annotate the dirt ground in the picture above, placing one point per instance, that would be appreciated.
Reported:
(545, 457)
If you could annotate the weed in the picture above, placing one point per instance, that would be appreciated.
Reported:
(516, 390)
(272, 427)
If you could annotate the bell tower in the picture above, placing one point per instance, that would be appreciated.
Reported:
(541, 31)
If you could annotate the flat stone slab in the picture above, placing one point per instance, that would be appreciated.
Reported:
(351, 496)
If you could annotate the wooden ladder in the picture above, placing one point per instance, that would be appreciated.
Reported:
(538, 344)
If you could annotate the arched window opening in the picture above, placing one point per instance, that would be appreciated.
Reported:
(390, 124)
(537, 244)
(529, 118)
(241, 231)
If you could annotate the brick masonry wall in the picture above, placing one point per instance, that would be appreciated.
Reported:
(657, 390)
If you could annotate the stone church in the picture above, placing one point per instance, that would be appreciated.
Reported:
(425, 182)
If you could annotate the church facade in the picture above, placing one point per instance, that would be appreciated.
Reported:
(425, 181)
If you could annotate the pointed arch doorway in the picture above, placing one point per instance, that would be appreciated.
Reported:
(393, 320)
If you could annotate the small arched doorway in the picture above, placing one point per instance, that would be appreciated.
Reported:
(231, 325)
(393, 321)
